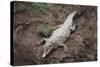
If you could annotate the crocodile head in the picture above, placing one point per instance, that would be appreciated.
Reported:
(47, 48)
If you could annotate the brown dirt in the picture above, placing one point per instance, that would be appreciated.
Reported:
(81, 46)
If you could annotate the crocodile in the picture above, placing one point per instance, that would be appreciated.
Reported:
(60, 35)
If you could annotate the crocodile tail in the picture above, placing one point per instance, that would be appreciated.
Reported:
(70, 18)
(72, 14)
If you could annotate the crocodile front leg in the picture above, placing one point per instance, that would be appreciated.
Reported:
(64, 47)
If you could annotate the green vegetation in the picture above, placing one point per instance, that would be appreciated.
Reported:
(19, 7)
(46, 31)
(42, 7)
(38, 8)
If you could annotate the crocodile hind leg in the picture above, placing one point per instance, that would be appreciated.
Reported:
(64, 47)
(58, 26)
(73, 28)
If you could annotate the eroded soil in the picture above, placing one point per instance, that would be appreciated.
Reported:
(81, 46)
